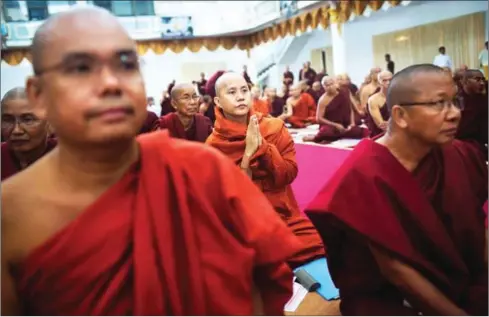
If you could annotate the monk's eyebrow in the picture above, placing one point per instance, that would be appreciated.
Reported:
(74, 56)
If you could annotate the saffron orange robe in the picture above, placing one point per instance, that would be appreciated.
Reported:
(178, 234)
(274, 168)
(303, 112)
(372, 126)
(150, 123)
(339, 111)
(10, 164)
(200, 129)
(261, 106)
(431, 219)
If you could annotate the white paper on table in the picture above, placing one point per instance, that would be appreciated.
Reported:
(298, 295)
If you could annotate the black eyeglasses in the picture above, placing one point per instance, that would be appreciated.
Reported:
(26, 121)
(440, 105)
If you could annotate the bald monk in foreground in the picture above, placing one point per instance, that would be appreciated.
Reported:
(370, 88)
(300, 107)
(263, 149)
(26, 133)
(186, 122)
(335, 116)
(258, 104)
(402, 218)
(377, 112)
(146, 226)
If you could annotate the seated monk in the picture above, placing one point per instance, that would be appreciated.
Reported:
(377, 112)
(344, 85)
(186, 122)
(335, 116)
(264, 149)
(25, 132)
(149, 123)
(473, 125)
(369, 89)
(277, 103)
(301, 108)
(152, 226)
(258, 104)
(316, 91)
(402, 218)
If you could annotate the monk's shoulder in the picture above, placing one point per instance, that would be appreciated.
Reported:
(273, 125)
(195, 152)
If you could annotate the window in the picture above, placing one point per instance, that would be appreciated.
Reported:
(12, 11)
(37, 10)
(125, 8)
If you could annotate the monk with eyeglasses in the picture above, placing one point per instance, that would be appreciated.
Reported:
(25, 131)
(112, 224)
(186, 122)
(402, 219)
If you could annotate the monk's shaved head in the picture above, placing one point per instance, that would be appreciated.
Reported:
(384, 74)
(14, 94)
(469, 73)
(222, 81)
(52, 29)
(326, 80)
(404, 86)
(179, 88)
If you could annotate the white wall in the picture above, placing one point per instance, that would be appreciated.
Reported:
(358, 33)
(158, 70)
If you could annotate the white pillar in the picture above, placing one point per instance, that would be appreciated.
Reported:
(339, 49)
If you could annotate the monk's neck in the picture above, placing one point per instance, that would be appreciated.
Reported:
(383, 91)
(186, 121)
(26, 158)
(94, 167)
(407, 150)
(332, 94)
(237, 119)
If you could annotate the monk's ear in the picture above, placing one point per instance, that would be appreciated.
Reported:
(399, 116)
(173, 103)
(217, 102)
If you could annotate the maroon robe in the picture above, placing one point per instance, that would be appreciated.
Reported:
(277, 106)
(369, 121)
(10, 164)
(166, 107)
(288, 75)
(200, 129)
(150, 123)
(316, 94)
(473, 125)
(353, 89)
(431, 219)
(339, 111)
(201, 86)
(210, 89)
(309, 75)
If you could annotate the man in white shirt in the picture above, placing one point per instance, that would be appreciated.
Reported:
(442, 60)
(484, 61)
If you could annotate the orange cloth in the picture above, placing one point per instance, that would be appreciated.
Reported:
(177, 235)
(303, 112)
(261, 106)
(274, 168)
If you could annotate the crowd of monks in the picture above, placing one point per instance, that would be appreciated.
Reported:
(111, 209)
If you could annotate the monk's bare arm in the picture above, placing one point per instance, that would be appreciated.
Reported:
(355, 104)
(415, 287)
(364, 94)
(321, 110)
(373, 105)
(288, 110)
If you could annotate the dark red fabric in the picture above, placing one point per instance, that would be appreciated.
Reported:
(431, 219)
(316, 94)
(150, 123)
(274, 168)
(210, 89)
(290, 76)
(199, 131)
(473, 125)
(277, 106)
(370, 123)
(166, 107)
(173, 237)
(10, 165)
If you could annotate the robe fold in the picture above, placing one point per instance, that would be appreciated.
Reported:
(200, 129)
(430, 219)
(10, 164)
(274, 168)
(372, 126)
(473, 124)
(339, 111)
(150, 123)
(277, 106)
(303, 112)
(261, 106)
(173, 236)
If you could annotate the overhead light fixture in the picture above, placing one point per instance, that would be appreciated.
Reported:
(402, 38)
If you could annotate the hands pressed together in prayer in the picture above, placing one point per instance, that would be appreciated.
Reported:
(253, 142)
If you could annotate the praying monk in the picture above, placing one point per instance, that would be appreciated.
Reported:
(25, 131)
(146, 226)
(186, 122)
(402, 218)
(263, 149)
(473, 125)
(377, 112)
(301, 107)
(258, 104)
(335, 116)
(370, 88)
